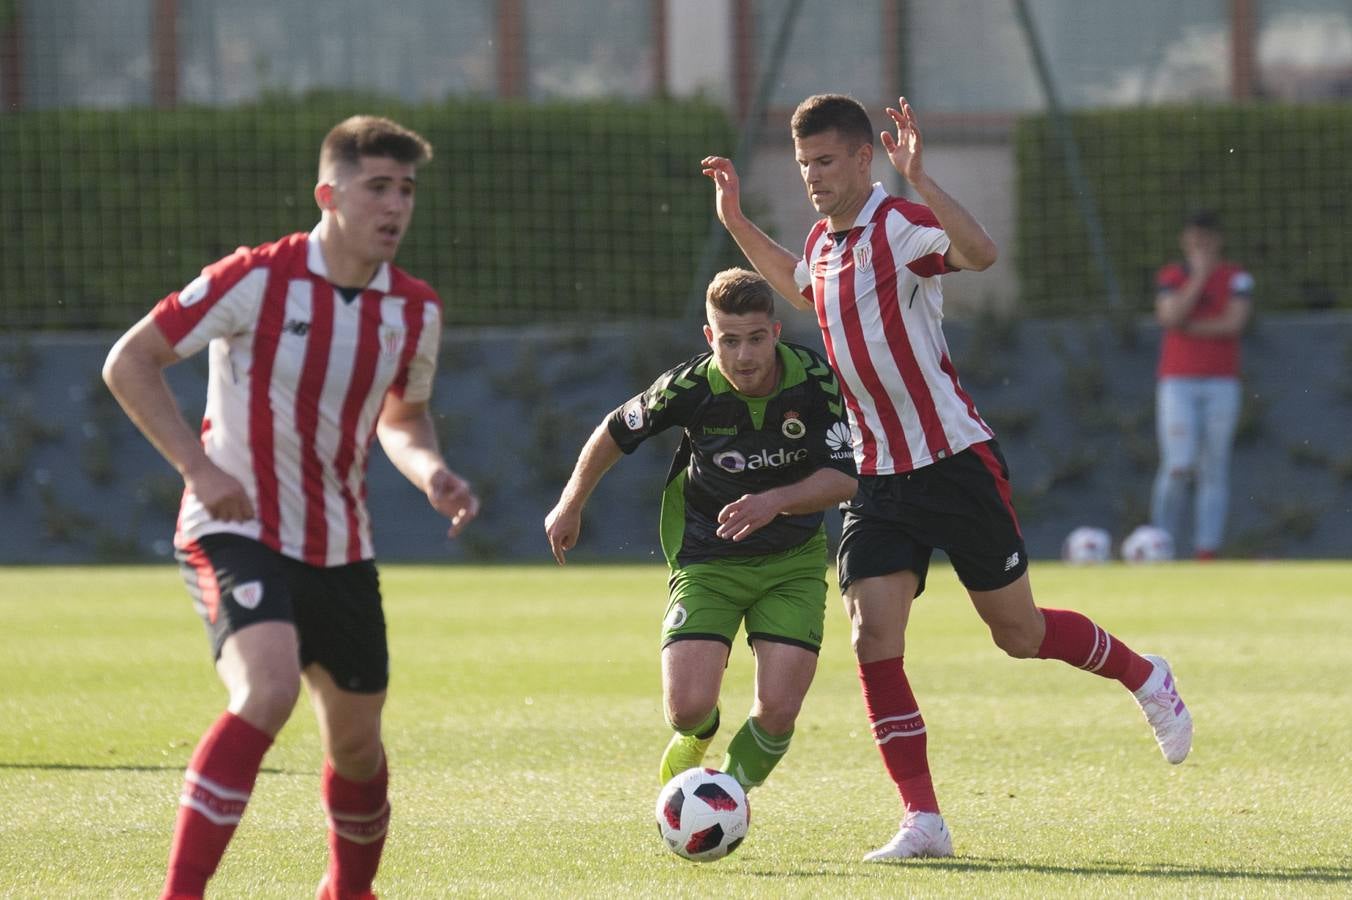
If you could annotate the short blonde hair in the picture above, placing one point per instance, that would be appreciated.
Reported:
(737, 292)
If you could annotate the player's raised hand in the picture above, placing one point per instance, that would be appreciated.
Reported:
(562, 526)
(452, 496)
(904, 150)
(220, 492)
(746, 515)
(727, 186)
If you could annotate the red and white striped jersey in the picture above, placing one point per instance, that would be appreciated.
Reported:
(296, 381)
(880, 307)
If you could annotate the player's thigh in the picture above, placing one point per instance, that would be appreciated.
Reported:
(878, 609)
(973, 519)
(1220, 415)
(341, 624)
(705, 602)
(349, 724)
(788, 596)
(235, 582)
(692, 677)
(877, 538)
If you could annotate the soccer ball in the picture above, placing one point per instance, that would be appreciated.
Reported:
(1087, 545)
(702, 814)
(1147, 544)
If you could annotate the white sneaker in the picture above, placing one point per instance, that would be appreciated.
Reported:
(1166, 712)
(921, 834)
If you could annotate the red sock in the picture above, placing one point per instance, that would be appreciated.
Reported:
(899, 731)
(216, 789)
(1075, 639)
(359, 813)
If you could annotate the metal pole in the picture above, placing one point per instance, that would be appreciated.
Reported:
(713, 244)
(1071, 152)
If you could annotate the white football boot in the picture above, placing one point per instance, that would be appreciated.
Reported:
(1166, 712)
(921, 834)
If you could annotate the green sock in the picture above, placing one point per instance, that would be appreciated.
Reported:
(753, 754)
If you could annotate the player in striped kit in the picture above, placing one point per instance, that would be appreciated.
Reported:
(930, 471)
(317, 344)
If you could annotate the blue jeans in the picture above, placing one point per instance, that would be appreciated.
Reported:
(1195, 421)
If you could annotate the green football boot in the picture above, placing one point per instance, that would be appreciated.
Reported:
(686, 751)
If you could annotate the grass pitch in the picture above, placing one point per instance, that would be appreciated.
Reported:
(524, 727)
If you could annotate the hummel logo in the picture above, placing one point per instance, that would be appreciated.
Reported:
(1012, 561)
(297, 327)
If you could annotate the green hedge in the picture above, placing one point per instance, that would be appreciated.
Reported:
(527, 213)
(1278, 175)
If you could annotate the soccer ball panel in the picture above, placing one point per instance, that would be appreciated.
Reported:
(702, 815)
(1086, 545)
(1147, 544)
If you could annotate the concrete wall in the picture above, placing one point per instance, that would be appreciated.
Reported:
(1072, 403)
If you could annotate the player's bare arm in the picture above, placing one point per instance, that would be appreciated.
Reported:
(134, 372)
(970, 247)
(409, 438)
(564, 522)
(821, 490)
(775, 263)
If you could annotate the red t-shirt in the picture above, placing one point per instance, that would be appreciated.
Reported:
(1189, 356)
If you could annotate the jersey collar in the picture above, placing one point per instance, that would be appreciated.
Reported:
(314, 261)
(791, 366)
(875, 200)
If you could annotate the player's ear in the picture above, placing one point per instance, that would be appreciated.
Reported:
(324, 195)
(709, 335)
(779, 326)
(866, 155)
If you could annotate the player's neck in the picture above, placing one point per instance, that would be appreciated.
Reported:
(344, 268)
(844, 220)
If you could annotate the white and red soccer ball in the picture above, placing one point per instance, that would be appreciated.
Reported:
(702, 814)
(1148, 544)
(1087, 545)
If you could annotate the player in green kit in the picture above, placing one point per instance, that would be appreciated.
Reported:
(766, 449)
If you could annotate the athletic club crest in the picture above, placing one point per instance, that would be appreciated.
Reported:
(249, 594)
(391, 341)
(863, 257)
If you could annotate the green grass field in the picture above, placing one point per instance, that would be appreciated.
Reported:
(524, 727)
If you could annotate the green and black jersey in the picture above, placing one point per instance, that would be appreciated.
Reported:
(735, 445)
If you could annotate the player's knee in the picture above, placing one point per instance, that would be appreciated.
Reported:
(356, 755)
(266, 704)
(871, 641)
(685, 713)
(778, 715)
(1019, 641)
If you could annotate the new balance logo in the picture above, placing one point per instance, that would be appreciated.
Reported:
(1012, 561)
(297, 327)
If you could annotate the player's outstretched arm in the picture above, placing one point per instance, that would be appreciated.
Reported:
(821, 490)
(775, 263)
(970, 247)
(409, 438)
(564, 522)
(134, 372)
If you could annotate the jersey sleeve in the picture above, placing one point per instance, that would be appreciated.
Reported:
(1241, 284)
(917, 239)
(665, 403)
(414, 382)
(223, 300)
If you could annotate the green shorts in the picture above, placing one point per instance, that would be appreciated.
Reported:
(782, 596)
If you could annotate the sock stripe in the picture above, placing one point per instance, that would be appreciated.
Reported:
(217, 803)
(896, 734)
(886, 720)
(774, 746)
(360, 828)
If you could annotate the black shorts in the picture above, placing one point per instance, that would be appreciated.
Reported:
(960, 505)
(236, 581)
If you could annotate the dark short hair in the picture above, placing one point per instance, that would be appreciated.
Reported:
(737, 292)
(823, 112)
(358, 136)
(1206, 219)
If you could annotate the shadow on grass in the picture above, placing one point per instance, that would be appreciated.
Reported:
(112, 767)
(1302, 875)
